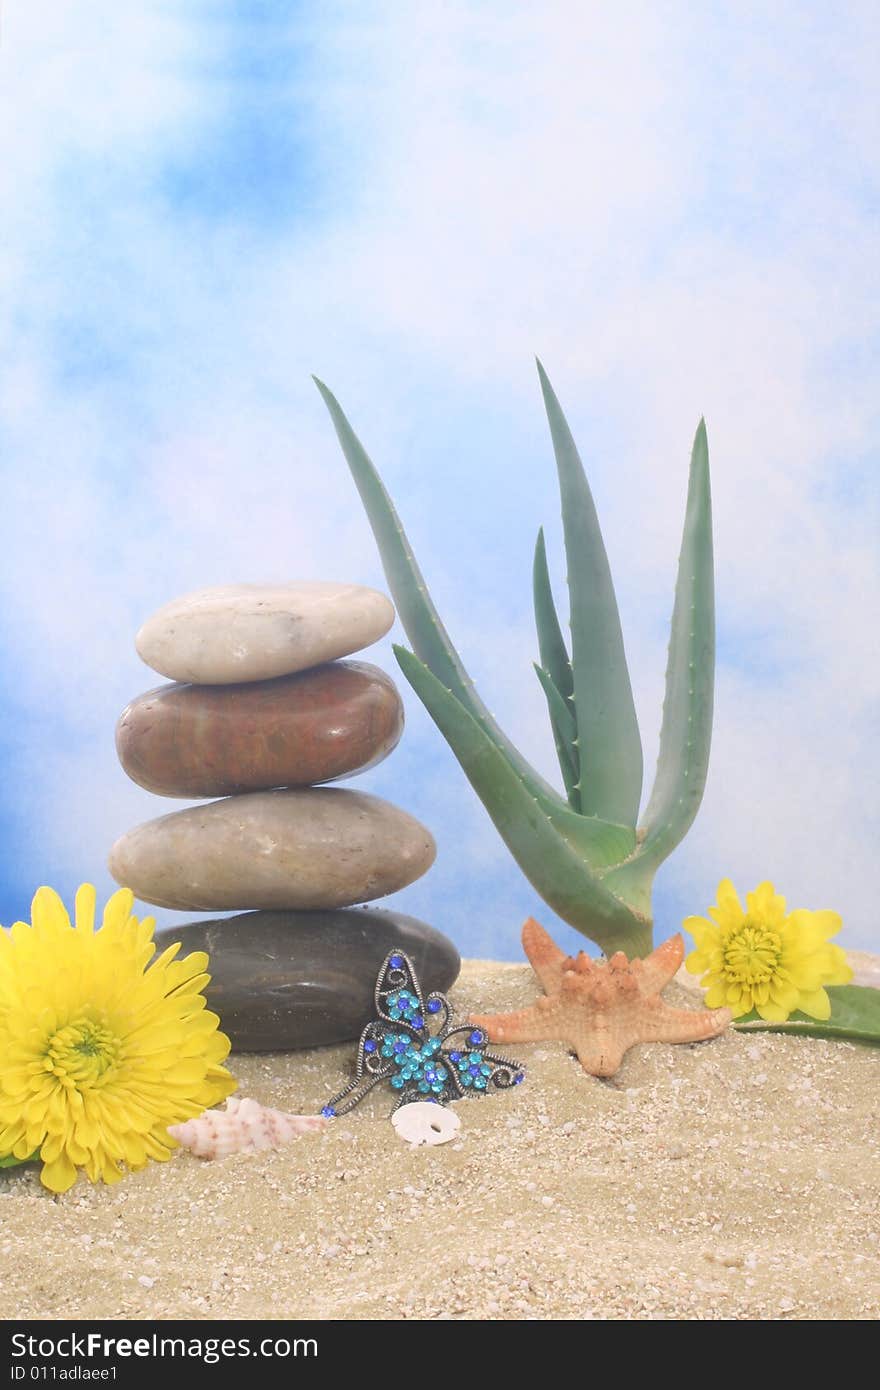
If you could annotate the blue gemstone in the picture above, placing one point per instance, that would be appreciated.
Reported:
(400, 1047)
(417, 1021)
(455, 1056)
(520, 1076)
(328, 1112)
(476, 1036)
(474, 1071)
(430, 1074)
(369, 1046)
(395, 962)
(434, 1006)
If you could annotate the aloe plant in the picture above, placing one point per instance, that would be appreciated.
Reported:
(582, 851)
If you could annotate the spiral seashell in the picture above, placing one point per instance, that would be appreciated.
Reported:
(245, 1126)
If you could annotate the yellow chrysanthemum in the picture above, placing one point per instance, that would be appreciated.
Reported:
(100, 1051)
(764, 958)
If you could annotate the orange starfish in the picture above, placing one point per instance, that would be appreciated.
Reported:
(601, 1008)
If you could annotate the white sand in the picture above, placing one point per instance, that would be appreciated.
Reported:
(738, 1178)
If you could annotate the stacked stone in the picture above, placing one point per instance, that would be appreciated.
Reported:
(261, 710)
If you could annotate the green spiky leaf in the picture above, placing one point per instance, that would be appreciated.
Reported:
(855, 1015)
(559, 683)
(564, 735)
(686, 732)
(554, 853)
(609, 744)
(414, 606)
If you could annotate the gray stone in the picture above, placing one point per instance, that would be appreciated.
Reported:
(281, 980)
(319, 848)
(254, 632)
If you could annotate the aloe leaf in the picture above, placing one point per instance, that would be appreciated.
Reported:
(545, 854)
(608, 733)
(564, 734)
(557, 667)
(686, 732)
(855, 1014)
(558, 708)
(551, 643)
(599, 844)
(414, 606)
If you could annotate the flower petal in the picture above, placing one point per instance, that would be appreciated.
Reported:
(829, 923)
(728, 913)
(85, 909)
(815, 1003)
(766, 905)
(772, 1013)
(838, 970)
(59, 1175)
(785, 995)
(716, 995)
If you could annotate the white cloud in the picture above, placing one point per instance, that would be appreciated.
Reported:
(673, 209)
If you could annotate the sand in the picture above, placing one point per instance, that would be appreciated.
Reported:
(738, 1178)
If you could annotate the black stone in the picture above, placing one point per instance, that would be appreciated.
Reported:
(282, 980)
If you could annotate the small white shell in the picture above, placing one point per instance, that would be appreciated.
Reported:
(245, 1126)
(420, 1122)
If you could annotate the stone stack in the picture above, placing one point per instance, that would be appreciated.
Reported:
(261, 710)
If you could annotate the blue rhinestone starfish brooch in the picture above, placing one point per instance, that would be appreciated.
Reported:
(414, 1045)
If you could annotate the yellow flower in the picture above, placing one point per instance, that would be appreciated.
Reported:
(764, 958)
(100, 1051)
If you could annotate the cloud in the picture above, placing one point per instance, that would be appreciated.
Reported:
(674, 209)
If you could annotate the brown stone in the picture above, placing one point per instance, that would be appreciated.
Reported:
(217, 740)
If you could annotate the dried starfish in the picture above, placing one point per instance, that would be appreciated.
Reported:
(601, 1008)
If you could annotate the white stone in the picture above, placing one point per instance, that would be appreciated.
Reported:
(252, 632)
(420, 1122)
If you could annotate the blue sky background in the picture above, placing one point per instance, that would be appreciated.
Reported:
(675, 204)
